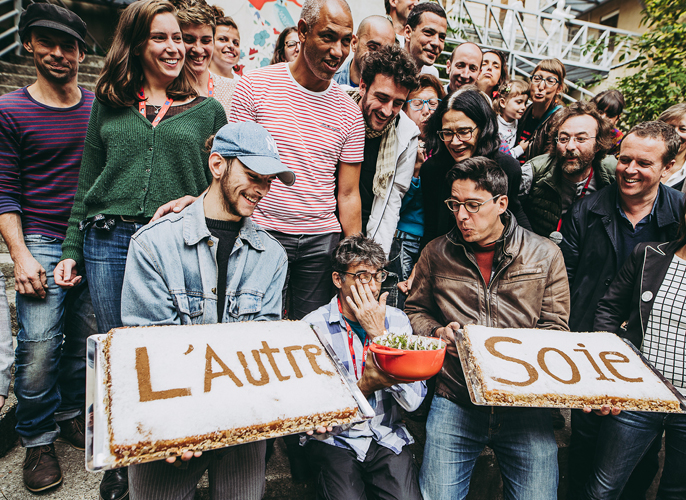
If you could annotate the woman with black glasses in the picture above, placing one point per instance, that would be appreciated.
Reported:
(463, 126)
(547, 83)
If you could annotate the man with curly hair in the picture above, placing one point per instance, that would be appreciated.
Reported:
(390, 146)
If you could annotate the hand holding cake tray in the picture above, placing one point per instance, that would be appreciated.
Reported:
(155, 391)
(547, 368)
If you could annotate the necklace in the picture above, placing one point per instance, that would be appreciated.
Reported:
(156, 108)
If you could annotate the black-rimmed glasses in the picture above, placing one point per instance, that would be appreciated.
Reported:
(464, 134)
(470, 206)
(365, 276)
(549, 81)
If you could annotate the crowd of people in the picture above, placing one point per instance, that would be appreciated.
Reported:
(359, 194)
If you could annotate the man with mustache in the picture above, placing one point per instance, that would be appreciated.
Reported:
(391, 138)
(464, 66)
(425, 34)
(42, 132)
(599, 232)
(576, 164)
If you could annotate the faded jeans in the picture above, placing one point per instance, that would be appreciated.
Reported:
(521, 438)
(50, 376)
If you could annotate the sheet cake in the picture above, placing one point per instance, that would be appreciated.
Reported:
(547, 368)
(209, 386)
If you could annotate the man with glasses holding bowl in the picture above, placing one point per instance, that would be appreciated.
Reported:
(369, 458)
(486, 271)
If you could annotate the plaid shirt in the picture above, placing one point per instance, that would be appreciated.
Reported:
(386, 427)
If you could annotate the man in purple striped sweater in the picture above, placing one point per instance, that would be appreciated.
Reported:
(42, 132)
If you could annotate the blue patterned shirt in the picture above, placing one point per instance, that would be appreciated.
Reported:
(386, 427)
(342, 76)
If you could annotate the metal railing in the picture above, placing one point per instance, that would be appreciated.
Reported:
(527, 36)
(15, 13)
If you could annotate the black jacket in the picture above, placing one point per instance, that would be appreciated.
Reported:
(632, 293)
(438, 220)
(589, 246)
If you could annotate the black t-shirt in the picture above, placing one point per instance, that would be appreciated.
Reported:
(371, 154)
(226, 232)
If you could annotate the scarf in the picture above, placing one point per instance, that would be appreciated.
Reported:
(385, 161)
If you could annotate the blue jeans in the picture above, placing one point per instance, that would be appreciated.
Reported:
(50, 376)
(104, 253)
(522, 440)
(624, 439)
(402, 258)
(309, 271)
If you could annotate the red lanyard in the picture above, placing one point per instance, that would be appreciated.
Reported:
(351, 334)
(583, 193)
(210, 87)
(160, 114)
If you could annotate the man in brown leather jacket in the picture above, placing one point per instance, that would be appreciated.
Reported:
(486, 271)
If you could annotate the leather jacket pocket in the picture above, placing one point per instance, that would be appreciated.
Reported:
(244, 304)
(191, 308)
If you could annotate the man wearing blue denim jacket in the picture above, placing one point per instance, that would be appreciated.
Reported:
(211, 264)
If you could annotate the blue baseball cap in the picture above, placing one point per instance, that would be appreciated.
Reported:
(254, 147)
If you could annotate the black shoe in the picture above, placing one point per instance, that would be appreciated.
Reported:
(115, 485)
(558, 419)
(73, 432)
(41, 468)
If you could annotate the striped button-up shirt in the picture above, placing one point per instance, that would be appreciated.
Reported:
(385, 427)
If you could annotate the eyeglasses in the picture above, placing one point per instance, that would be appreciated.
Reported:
(365, 276)
(470, 206)
(464, 134)
(564, 139)
(549, 81)
(291, 43)
(418, 104)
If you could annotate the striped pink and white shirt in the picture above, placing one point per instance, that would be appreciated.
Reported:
(314, 131)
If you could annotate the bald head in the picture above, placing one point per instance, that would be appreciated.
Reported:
(464, 65)
(373, 33)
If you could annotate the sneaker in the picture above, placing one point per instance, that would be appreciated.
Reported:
(73, 432)
(41, 468)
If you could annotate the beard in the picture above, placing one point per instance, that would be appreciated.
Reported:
(581, 163)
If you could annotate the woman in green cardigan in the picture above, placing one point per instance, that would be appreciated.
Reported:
(144, 147)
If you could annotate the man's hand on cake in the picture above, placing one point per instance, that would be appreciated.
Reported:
(447, 333)
(369, 312)
(321, 430)
(185, 456)
(604, 410)
(374, 379)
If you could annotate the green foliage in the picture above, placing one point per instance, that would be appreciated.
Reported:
(661, 79)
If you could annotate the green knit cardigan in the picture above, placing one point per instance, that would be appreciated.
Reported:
(130, 168)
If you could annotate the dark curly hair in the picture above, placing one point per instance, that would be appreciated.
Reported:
(473, 104)
(357, 249)
(390, 60)
(603, 137)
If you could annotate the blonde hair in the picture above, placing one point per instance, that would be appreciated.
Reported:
(508, 91)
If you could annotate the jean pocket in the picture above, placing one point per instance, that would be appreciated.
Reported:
(190, 307)
(245, 303)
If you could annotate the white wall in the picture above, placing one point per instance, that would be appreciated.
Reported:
(261, 21)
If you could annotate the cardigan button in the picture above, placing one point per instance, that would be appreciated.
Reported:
(608, 282)
(214, 290)
(210, 243)
(647, 296)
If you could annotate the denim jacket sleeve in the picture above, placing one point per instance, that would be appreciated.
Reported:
(146, 299)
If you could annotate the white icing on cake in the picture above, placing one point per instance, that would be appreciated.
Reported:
(176, 361)
(553, 368)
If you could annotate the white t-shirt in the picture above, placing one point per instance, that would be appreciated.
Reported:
(314, 131)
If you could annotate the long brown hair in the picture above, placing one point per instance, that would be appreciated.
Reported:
(122, 75)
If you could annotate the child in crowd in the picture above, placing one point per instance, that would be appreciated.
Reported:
(509, 104)
(610, 103)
